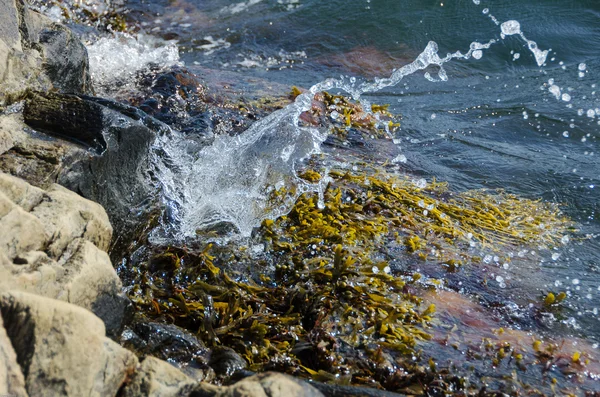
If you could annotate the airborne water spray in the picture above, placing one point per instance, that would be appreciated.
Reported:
(230, 181)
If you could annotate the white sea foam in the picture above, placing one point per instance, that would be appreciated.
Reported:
(117, 59)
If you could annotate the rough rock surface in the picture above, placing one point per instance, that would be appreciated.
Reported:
(166, 341)
(34, 157)
(57, 248)
(62, 349)
(37, 53)
(268, 384)
(12, 382)
(157, 378)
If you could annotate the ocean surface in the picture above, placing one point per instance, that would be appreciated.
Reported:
(519, 112)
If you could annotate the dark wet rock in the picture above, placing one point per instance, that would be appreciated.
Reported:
(166, 341)
(38, 53)
(177, 98)
(268, 384)
(115, 310)
(66, 116)
(225, 361)
(65, 60)
(118, 171)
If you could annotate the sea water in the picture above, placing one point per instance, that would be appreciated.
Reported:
(493, 95)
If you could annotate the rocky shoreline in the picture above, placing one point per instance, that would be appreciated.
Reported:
(88, 306)
(60, 296)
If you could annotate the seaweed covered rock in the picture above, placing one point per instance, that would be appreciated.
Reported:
(334, 292)
(62, 349)
(38, 53)
(55, 245)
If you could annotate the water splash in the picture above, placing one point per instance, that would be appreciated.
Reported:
(513, 27)
(231, 181)
(116, 60)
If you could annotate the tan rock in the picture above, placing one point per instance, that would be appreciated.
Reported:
(20, 192)
(58, 249)
(21, 232)
(6, 205)
(12, 382)
(268, 384)
(11, 125)
(88, 274)
(62, 349)
(6, 279)
(66, 216)
(157, 378)
(37, 53)
(9, 24)
(62, 214)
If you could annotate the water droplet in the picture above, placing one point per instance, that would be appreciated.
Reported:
(554, 90)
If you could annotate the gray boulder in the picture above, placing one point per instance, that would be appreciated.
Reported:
(38, 53)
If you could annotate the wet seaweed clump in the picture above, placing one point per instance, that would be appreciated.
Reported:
(314, 294)
(341, 116)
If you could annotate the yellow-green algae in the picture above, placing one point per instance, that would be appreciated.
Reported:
(321, 302)
(330, 310)
(364, 210)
